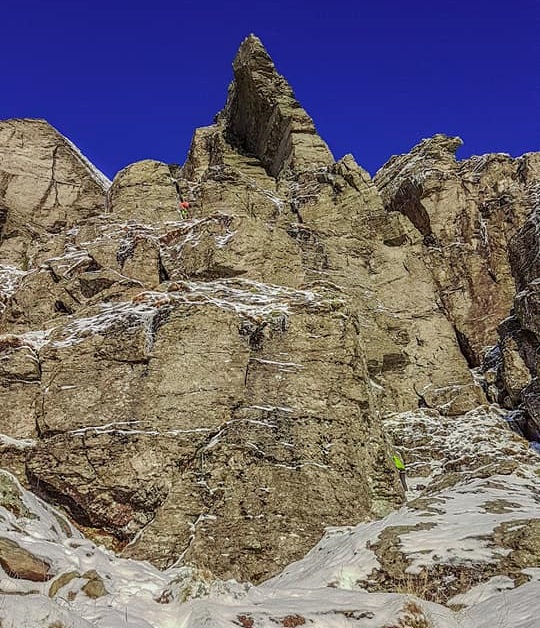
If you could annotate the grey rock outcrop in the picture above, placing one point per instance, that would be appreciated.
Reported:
(46, 187)
(247, 439)
(263, 118)
(512, 367)
(341, 234)
(208, 389)
(145, 192)
(465, 213)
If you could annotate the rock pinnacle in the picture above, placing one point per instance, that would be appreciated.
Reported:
(262, 116)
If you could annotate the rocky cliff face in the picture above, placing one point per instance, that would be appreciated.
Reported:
(209, 389)
(511, 368)
(465, 213)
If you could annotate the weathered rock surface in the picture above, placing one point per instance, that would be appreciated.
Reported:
(46, 186)
(465, 214)
(512, 367)
(256, 451)
(146, 192)
(95, 589)
(341, 234)
(263, 118)
(471, 515)
(208, 389)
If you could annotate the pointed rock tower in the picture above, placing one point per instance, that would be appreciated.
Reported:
(263, 117)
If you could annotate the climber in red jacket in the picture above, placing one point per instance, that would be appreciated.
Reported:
(183, 207)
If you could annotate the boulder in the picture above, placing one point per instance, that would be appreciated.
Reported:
(18, 562)
(146, 192)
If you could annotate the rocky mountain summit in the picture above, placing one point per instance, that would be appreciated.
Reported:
(208, 366)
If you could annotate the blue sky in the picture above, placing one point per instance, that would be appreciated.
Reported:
(128, 80)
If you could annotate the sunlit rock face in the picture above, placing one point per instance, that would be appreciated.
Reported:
(206, 386)
(466, 214)
(46, 187)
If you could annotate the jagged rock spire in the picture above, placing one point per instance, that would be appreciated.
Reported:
(263, 117)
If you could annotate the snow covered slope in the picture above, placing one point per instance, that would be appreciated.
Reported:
(460, 543)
